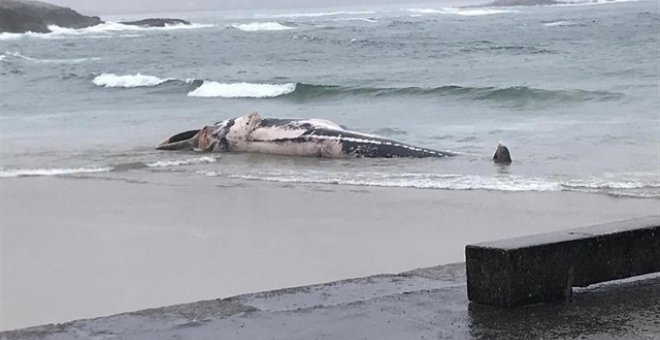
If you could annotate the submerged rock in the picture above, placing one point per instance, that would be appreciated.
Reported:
(20, 16)
(156, 22)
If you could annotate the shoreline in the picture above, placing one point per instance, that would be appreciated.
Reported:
(101, 246)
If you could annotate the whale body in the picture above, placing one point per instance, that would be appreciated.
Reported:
(295, 137)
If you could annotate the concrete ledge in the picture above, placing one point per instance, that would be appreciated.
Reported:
(545, 267)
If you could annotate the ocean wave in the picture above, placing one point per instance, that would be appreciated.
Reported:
(460, 11)
(180, 162)
(98, 31)
(4, 173)
(262, 26)
(210, 89)
(518, 93)
(302, 91)
(451, 182)
(48, 61)
(313, 14)
(194, 87)
(128, 80)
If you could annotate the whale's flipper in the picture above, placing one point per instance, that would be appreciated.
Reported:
(502, 155)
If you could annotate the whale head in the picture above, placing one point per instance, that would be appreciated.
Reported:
(220, 137)
(210, 138)
(180, 141)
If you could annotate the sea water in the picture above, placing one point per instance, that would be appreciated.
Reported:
(572, 90)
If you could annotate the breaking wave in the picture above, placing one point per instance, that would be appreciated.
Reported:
(127, 81)
(104, 30)
(195, 87)
(262, 26)
(241, 90)
(302, 91)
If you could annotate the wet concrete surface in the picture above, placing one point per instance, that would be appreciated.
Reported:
(544, 267)
(426, 303)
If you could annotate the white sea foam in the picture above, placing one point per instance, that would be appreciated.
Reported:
(50, 172)
(600, 184)
(460, 11)
(48, 61)
(452, 182)
(115, 27)
(262, 26)
(241, 90)
(191, 161)
(412, 180)
(560, 23)
(104, 30)
(354, 19)
(128, 80)
(313, 14)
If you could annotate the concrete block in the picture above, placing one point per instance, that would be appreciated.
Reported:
(545, 267)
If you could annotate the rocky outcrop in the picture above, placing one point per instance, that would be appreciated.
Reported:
(156, 22)
(20, 16)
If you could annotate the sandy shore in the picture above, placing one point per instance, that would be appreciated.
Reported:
(79, 248)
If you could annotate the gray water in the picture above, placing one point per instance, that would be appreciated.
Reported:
(572, 90)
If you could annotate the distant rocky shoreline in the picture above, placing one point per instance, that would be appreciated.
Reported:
(21, 16)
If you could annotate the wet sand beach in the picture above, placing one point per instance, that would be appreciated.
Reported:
(90, 246)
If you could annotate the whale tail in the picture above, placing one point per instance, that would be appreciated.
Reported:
(183, 140)
(502, 155)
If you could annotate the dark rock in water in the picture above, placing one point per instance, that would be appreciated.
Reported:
(507, 3)
(156, 22)
(20, 16)
(502, 155)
